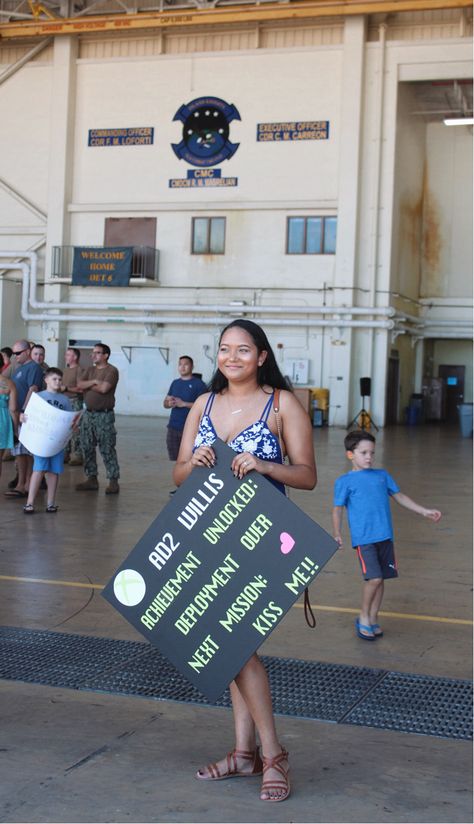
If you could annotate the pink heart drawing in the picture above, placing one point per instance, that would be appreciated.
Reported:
(287, 543)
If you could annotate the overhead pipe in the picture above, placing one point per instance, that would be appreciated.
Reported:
(433, 322)
(425, 321)
(30, 286)
(204, 307)
(206, 320)
(448, 336)
(391, 323)
(422, 333)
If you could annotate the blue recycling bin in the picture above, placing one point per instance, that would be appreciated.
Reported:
(413, 415)
(414, 412)
(465, 419)
(318, 419)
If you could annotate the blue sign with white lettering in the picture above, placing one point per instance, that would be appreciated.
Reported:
(202, 178)
(293, 130)
(139, 136)
(106, 266)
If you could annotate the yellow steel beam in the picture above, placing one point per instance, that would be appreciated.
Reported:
(37, 9)
(305, 9)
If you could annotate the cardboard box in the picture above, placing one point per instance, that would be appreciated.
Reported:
(305, 399)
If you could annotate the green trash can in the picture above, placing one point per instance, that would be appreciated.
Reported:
(465, 419)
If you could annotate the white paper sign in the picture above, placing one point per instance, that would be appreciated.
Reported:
(46, 429)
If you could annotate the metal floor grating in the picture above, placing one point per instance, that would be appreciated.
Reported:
(305, 689)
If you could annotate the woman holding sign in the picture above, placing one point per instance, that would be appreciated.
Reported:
(240, 410)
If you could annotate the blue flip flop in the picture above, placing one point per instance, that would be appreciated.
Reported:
(367, 628)
(377, 630)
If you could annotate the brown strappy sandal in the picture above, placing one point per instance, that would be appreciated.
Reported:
(282, 786)
(232, 769)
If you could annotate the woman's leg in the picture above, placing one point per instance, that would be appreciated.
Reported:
(252, 705)
(254, 687)
(24, 465)
(245, 739)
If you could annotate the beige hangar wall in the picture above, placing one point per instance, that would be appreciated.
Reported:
(363, 174)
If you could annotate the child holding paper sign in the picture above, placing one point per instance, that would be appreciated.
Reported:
(240, 410)
(50, 467)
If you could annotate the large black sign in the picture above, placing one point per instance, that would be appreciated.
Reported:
(216, 571)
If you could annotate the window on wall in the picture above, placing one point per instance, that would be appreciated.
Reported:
(311, 236)
(208, 236)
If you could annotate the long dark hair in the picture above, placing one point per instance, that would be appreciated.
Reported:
(269, 373)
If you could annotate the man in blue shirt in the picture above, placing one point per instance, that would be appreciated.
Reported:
(180, 398)
(366, 493)
(28, 378)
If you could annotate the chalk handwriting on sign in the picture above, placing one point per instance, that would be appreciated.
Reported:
(296, 130)
(140, 136)
(217, 570)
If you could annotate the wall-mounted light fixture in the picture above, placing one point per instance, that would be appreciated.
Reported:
(458, 121)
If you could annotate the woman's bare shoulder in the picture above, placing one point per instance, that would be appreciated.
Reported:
(201, 401)
(287, 397)
(290, 405)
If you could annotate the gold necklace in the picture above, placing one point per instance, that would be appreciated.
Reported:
(241, 409)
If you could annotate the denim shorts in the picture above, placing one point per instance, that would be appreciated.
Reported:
(377, 560)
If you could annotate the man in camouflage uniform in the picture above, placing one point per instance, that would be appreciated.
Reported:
(98, 420)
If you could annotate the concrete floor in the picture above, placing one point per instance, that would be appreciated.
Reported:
(70, 756)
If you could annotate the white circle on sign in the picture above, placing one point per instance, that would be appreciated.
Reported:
(129, 587)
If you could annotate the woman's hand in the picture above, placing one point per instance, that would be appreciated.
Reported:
(203, 456)
(245, 462)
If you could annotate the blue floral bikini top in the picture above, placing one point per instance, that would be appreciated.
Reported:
(257, 438)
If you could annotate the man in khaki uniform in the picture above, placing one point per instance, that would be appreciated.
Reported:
(72, 373)
(98, 420)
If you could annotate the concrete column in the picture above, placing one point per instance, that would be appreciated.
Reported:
(419, 364)
(350, 127)
(380, 344)
(349, 151)
(12, 327)
(61, 165)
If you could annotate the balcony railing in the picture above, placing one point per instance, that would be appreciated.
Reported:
(145, 262)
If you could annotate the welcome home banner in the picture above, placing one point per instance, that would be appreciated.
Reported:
(217, 570)
(105, 266)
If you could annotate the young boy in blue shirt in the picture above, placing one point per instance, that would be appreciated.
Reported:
(366, 493)
(51, 467)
